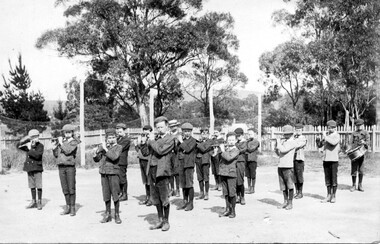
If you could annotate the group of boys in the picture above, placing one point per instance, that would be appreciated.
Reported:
(169, 159)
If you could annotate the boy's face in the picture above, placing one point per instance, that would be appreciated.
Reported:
(111, 139)
(216, 133)
(331, 129)
(359, 127)
(231, 140)
(186, 133)
(174, 129)
(251, 134)
(204, 134)
(34, 139)
(162, 127)
(120, 132)
(298, 131)
(288, 135)
(68, 134)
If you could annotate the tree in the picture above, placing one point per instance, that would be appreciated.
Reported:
(215, 65)
(344, 39)
(132, 45)
(60, 113)
(20, 105)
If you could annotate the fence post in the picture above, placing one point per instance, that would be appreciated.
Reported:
(373, 138)
(1, 158)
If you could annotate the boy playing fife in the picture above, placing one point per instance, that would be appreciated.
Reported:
(159, 169)
(109, 172)
(143, 154)
(252, 150)
(186, 155)
(299, 161)
(227, 172)
(33, 165)
(285, 150)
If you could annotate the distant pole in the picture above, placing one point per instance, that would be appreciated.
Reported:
(259, 119)
(211, 107)
(152, 93)
(81, 121)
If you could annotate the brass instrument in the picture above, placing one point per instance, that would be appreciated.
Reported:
(24, 141)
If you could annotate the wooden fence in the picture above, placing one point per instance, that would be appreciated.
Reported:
(95, 137)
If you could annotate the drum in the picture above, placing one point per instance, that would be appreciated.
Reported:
(356, 152)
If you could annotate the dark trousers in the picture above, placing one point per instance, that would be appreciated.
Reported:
(123, 174)
(110, 187)
(299, 167)
(331, 173)
(67, 177)
(357, 166)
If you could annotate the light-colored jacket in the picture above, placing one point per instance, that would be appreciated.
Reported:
(286, 151)
(300, 152)
(331, 147)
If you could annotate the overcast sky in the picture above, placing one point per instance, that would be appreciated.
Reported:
(23, 21)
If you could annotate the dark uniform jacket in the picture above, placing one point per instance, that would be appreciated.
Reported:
(204, 149)
(109, 165)
(143, 152)
(161, 149)
(242, 146)
(33, 161)
(66, 152)
(228, 159)
(357, 136)
(174, 159)
(125, 142)
(252, 150)
(187, 153)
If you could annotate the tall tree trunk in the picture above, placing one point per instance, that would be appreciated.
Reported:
(143, 114)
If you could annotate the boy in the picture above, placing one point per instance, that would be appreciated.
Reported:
(227, 171)
(125, 142)
(109, 172)
(217, 140)
(202, 162)
(159, 169)
(331, 148)
(285, 150)
(142, 149)
(252, 151)
(241, 144)
(33, 165)
(186, 155)
(299, 159)
(65, 150)
(173, 124)
(360, 137)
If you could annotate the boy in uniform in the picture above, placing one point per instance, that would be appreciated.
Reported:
(217, 140)
(331, 147)
(109, 172)
(241, 144)
(33, 165)
(125, 142)
(143, 154)
(252, 151)
(299, 161)
(173, 124)
(285, 150)
(159, 169)
(202, 161)
(360, 137)
(65, 151)
(186, 154)
(227, 171)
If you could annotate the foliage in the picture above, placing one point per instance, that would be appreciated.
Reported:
(60, 113)
(20, 105)
(215, 66)
(133, 45)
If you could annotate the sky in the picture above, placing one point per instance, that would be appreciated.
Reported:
(23, 21)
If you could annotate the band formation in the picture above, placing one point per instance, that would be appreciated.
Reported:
(169, 159)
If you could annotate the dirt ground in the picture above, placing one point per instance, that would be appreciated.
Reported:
(355, 217)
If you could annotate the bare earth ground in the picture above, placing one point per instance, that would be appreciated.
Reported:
(355, 217)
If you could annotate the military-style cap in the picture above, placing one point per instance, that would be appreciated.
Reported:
(331, 123)
(287, 129)
(33, 132)
(147, 127)
(110, 132)
(68, 127)
(187, 126)
(359, 122)
(173, 122)
(239, 131)
(231, 133)
(121, 125)
(160, 119)
(298, 126)
(217, 142)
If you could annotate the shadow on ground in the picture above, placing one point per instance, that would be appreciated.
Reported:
(269, 201)
(216, 209)
(344, 187)
(77, 207)
(150, 218)
(316, 196)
